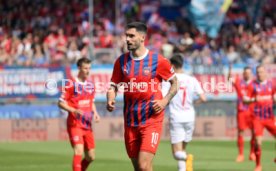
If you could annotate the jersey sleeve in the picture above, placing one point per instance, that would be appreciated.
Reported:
(250, 90)
(197, 87)
(164, 69)
(117, 75)
(66, 93)
(236, 84)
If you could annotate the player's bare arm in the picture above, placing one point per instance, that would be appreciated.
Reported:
(201, 99)
(111, 94)
(248, 100)
(96, 116)
(68, 108)
(230, 75)
(159, 105)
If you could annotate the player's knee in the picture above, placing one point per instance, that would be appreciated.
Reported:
(78, 151)
(90, 158)
(240, 132)
(144, 165)
(180, 155)
(258, 141)
(259, 144)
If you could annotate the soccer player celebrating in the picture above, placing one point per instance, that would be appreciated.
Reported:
(181, 111)
(78, 100)
(261, 95)
(141, 71)
(244, 120)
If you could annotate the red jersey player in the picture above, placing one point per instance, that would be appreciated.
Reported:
(244, 120)
(78, 100)
(141, 72)
(261, 95)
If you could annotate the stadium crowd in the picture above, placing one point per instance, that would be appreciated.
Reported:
(57, 32)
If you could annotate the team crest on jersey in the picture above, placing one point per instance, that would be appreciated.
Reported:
(146, 70)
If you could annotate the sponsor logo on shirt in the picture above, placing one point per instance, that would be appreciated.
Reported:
(146, 70)
(84, 103)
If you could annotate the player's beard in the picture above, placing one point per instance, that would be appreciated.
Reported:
(133, 46)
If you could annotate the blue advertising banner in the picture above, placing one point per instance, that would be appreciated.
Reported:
(45, 84)
(30, 83)
(212, 79)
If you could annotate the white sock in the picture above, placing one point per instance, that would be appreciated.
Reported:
(180, 155)
(181, 165)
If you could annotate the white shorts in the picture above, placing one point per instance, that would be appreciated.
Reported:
(181, 132)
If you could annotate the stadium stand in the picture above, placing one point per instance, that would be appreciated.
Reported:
(57, 32)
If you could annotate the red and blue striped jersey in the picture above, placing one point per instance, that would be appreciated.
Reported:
(241, 87)
(79, 96)
(141, 79)
(263, 92)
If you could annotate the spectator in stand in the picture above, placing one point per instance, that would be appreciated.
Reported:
(232, 55)
(39, 57)
(21, 51)
(167, 48)
(61, 46)
(54, 23)
(73, 53)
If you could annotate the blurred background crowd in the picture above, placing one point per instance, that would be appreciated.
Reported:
(53, 32)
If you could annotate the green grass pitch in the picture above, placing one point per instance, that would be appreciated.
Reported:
(111, 156)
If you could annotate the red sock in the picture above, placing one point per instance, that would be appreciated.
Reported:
(84, 164)
(252, 145)
(258, 152)
(77, 162)
(240, 144)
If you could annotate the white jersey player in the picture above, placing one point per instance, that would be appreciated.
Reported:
(181, 111)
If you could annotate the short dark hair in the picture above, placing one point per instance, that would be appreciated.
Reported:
(177, 60)
(139, 26)
(259, 66)
(246, 68)
(83, 60)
